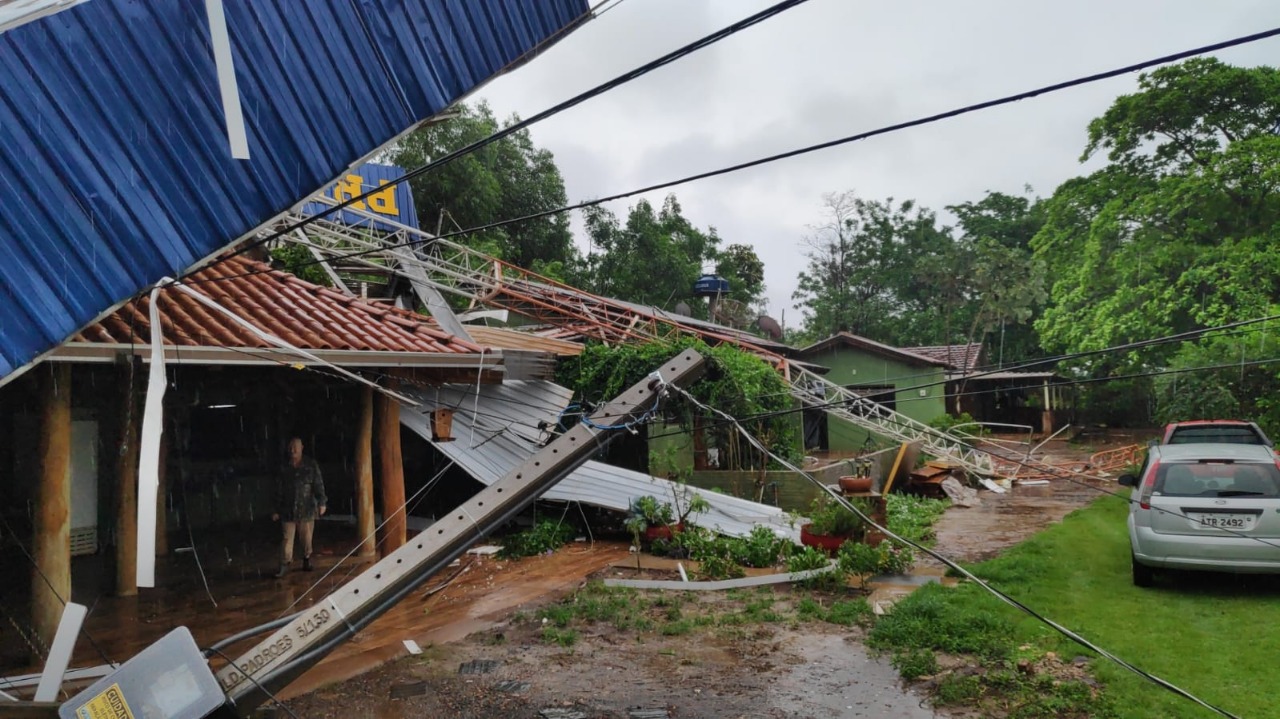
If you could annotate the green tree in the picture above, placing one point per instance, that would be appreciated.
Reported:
(742, 267)
(654, 259)
(509, 178)
(863, 262)
(1182, 229)
(1006, 284)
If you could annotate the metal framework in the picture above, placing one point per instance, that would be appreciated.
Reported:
(434, 265)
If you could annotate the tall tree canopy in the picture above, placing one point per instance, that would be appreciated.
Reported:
(889, 272)
(1181, 230)
(509, 178)
(654, 258)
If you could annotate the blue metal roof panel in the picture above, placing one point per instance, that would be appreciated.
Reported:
(114, 159)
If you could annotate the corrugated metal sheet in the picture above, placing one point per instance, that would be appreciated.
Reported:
(498, 428)
(114, 159)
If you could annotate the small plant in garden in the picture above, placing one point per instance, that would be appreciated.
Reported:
(863, 560)
(829, 518)
(809, 558)
(913, 517)
(545, 536)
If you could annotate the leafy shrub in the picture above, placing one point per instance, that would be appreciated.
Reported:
(545, 536)
(915, 663)
(913, 517)
(762, 548)
(829, 518)
(864, 560)
(945, 422)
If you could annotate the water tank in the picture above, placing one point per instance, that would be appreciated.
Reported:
(710, 286)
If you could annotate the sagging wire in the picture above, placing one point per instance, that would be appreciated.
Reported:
(416, 498)
(957, 567)
(261, 688)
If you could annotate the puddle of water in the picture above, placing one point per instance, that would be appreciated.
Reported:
(840, 680)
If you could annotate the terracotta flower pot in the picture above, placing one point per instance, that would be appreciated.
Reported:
(661, 531)
(828, 543)
(851, 484)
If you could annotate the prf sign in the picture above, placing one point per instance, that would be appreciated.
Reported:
(384, 199)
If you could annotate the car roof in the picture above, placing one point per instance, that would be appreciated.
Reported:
(1214, 450)
(1196, 422)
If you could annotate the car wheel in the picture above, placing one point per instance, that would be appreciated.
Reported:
(1143, 576)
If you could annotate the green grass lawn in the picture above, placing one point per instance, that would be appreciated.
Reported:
(1217, 636)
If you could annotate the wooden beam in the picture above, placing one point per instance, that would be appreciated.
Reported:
(391, 465)
(364, 475)
(127, 488)
(51, 576)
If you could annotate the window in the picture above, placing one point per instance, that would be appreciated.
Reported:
(1218, 479)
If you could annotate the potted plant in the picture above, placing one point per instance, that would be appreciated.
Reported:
(663, 520)
(830, 525)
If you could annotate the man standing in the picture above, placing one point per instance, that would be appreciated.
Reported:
(299, 500)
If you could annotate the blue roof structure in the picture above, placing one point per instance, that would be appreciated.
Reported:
(116, 167)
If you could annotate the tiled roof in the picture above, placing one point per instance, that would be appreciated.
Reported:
(962, 357)
(303, 314)
(847, 339)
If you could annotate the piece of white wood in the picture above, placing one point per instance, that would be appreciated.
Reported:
(64, 641)
(227, 85)
(723, 584)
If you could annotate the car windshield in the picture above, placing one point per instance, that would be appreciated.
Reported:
(1229, 435)
(1218, 479)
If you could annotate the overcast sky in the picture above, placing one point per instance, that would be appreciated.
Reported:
(831, 68)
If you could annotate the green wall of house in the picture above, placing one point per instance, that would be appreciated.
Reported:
(854, 367)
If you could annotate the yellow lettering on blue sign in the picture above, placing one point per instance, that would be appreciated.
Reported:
(382, 202)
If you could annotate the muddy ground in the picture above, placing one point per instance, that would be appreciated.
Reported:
(767, 670)
(770, 670)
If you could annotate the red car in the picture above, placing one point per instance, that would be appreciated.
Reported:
(1230, 431)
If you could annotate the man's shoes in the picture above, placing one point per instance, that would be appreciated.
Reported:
(306, 564)
(284, 569)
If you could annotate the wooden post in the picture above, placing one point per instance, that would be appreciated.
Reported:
(51, 578)
(1046, 420)
(394, 523)
(162, 498)
(364, 475)
(127, 492)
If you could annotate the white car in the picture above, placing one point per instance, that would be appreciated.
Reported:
(1210, 507)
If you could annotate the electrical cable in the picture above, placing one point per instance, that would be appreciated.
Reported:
(957, 567)
(261, 688)
(888, 129)
(53, 590)
(641, 71)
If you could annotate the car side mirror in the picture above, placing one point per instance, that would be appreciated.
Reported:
(1127, 480)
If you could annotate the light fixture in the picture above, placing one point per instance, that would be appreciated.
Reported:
(219, 406)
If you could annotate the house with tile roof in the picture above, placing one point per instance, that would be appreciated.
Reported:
(1040, 399)
(252, 357)
(908, 382)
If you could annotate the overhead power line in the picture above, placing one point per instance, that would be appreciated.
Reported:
(888, 129)
(648, 67)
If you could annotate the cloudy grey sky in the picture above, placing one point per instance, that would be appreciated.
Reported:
(831, 68)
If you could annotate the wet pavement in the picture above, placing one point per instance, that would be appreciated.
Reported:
(841, 680)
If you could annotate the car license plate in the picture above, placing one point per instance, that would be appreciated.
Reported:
(1237, 522)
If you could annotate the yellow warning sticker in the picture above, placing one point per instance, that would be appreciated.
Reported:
(110, 704)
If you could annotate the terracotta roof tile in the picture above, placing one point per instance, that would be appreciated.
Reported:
(301, 313)
(961, 357)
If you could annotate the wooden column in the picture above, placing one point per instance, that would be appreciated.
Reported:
(162, 498)
(364, 475)
(1046, 421)
(127, 492)
(391, 465)
(51, 579)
